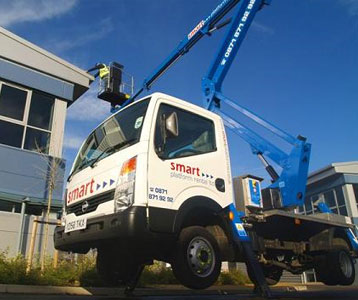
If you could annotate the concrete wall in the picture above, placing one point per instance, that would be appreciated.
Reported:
(9, 233)
(24, 173)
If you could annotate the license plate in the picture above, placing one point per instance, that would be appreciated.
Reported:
(75, 225)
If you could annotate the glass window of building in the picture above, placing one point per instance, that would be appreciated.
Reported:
(329, 199)
(11, 134)
(25, 118)
(34, 210)
(355, 189)
(7, 206)
(341, 201)
(37, 140)
(308, 206)
(334, 199)
(314, 200)
(12, 102)
(301, 209)
(340, 196)
(41, 109)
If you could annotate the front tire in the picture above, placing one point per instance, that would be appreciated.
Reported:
(196, 260)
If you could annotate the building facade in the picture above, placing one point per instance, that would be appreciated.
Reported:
(36, 87)
(337, 186)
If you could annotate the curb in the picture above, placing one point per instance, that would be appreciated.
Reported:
(104, 291)
(150, 290)
(43, 290)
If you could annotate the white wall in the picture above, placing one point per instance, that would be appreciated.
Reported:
(9, 232)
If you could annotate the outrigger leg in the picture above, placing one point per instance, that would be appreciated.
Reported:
(243, 240)
(133, 282)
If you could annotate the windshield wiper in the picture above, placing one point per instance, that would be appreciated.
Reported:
(92, 161)
(111, 149)
(81, 165)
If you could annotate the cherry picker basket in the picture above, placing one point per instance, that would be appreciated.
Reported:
(117, 86)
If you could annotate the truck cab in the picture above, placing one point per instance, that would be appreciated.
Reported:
(155, 167)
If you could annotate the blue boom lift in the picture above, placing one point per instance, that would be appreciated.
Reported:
(287, 190)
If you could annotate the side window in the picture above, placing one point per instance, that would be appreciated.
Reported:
(196, 134)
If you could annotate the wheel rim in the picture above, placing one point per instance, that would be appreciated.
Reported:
(345, 264)
(201, 257)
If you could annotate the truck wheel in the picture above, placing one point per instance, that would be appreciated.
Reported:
(344, 265)
(196, 261)
(116, 268)
(337, 267)
(272, 273)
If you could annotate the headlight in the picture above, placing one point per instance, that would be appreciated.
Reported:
(124, 193)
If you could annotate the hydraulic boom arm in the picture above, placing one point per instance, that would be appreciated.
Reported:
(205, 27)
(288, 188)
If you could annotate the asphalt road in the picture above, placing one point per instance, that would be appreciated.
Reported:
(316, 293)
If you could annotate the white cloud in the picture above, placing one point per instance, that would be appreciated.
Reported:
(83, 36)
(351, 5)
(18, 11)
(89, 108)
(263, 28)
(73, 142)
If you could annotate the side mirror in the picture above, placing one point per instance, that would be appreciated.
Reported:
(171, 125)
(169, 129)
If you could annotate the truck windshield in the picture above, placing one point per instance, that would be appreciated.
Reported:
(120, 131)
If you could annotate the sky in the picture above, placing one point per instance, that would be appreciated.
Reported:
(297, 68)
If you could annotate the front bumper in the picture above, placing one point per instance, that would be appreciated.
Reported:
(130, 223)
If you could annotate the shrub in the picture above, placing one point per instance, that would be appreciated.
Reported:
(235, 277)
(83, 272)
(12, 270)
(157, 273)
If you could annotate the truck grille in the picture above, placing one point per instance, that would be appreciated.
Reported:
(93, 202)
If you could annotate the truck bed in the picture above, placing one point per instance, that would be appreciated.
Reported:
(289, 226)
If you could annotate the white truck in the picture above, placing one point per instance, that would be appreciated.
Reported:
(153, 181)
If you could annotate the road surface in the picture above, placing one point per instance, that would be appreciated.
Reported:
(312, 293)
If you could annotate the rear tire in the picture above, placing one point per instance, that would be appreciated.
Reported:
(337, 267)
(196, 260)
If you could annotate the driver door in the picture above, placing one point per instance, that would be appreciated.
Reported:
(177, 163)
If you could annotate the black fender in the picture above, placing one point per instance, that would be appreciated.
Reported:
(195, 204)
